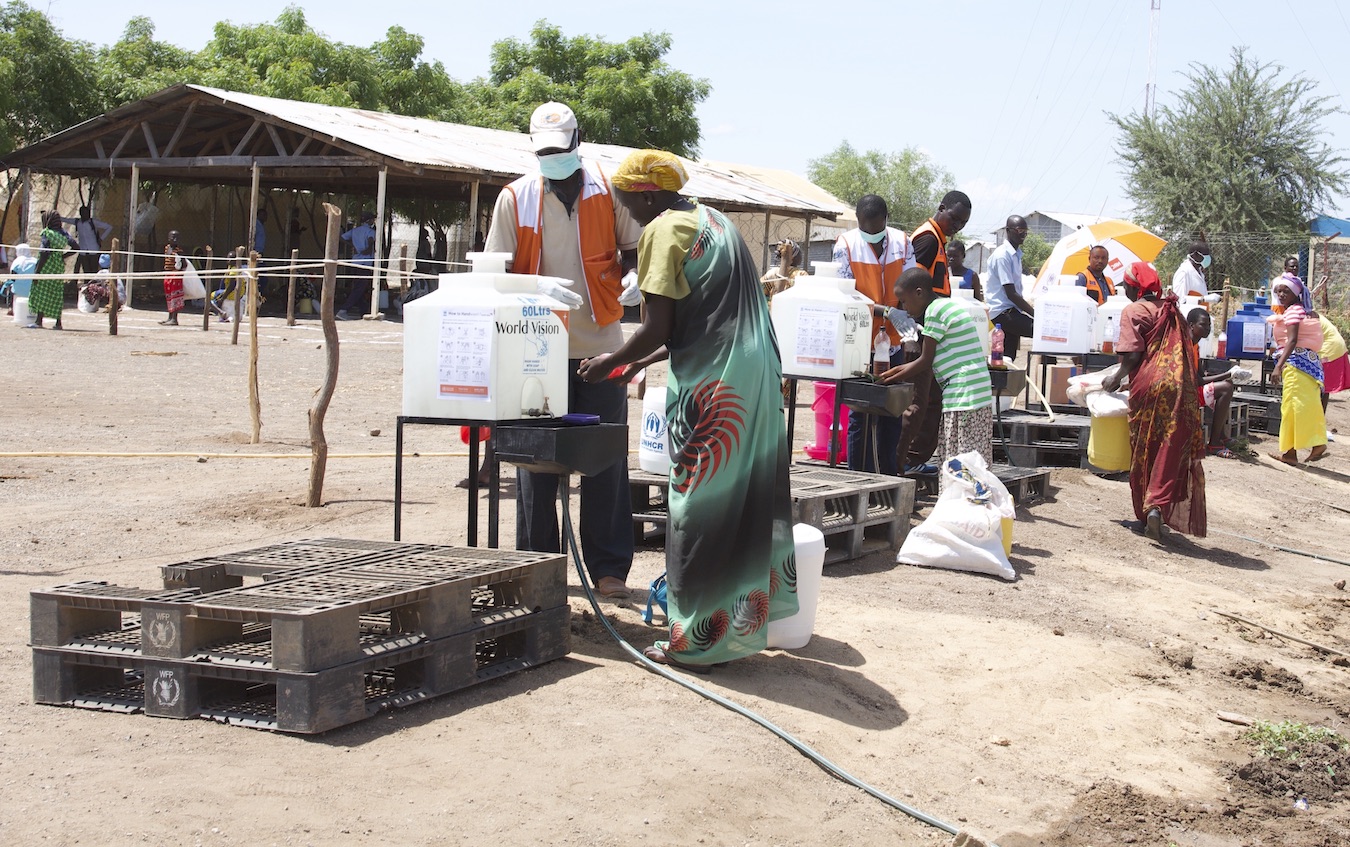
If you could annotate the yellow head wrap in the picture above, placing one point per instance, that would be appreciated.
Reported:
(650, 170)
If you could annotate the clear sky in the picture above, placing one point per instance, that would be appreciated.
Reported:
(1009, 97)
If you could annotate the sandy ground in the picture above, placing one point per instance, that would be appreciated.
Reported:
(1074, 706)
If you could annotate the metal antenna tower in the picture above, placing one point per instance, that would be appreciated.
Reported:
(1151, 88)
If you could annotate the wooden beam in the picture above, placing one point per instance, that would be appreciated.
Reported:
(276, 140)
(212, 162)
(149, 139)
(253, 216)
(126, 136)
(380, 192)
(178, 133)
(248, 136)
(98, 148)
(304, 143)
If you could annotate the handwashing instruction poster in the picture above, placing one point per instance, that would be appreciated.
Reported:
(817, 337)
(1056, 320)
(464, 360)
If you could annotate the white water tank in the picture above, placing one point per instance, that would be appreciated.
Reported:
(1065, 321)
(1108, 322)
(979, 313)
(824, 326)
(485, 346)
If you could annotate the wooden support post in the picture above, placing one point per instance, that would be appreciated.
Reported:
(768, 216)
(375, 272)
(402, 275)
(253, 209)
(473, 218)
(26, 210)
(238, 299)
(114, 302)
(206, 283)
(254, 404)
(134, 193)
(318, 444)
(290, 288)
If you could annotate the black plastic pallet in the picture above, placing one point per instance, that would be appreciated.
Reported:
(1025, 485)
(289, 701)
(857, 512)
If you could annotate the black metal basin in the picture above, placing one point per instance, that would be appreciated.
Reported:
(553, 446)
(1008, 381)
(871, 398)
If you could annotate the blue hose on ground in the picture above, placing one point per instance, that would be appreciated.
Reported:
(828, 766)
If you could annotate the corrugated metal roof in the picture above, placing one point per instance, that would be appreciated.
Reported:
(466, 151)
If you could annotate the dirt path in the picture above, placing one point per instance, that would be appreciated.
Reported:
(1074, 706)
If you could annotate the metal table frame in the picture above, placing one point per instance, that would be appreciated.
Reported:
(494, 484)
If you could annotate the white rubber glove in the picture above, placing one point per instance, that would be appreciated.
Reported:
(631, 295)
(904, 324)
(558, 289)
(1212, 297)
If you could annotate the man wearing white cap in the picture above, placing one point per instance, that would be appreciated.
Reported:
(562, 221)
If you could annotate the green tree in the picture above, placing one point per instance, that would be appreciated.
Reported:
(909, 181)
(138, 65)
(622, 93)
(1035, 250)
(45, 80)
(1241, 151)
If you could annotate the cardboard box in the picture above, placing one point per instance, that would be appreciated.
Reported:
(1057, 378)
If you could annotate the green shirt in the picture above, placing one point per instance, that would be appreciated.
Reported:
(959, 363)
(662, 250)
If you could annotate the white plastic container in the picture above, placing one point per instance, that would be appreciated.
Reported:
(21, 311)
(979, 313)
(485, 346)
(824, 326)
(1108, 321)
(794, 632)
(1065, 321)
(653, 456)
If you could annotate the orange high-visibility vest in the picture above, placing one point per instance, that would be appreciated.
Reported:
(1094, 286)
(942, 280)
(876, 277)
(595, 237)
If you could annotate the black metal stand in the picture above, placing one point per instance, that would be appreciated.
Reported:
(494, 483)
(792, 413)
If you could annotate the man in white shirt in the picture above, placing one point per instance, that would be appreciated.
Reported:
(561, 221)
(1003, 289)
(89, 235)
(1189, 280)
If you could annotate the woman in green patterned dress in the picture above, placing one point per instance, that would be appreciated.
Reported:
(730, 565)
(48, 296)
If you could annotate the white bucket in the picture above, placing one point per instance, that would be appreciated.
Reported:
(652, 454)
(21, 311)
(794, 632)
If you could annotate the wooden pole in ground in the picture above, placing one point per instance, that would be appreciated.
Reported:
(134, 195)
(254, 404)
(402, 275)
(114, 302)
(206, 283)
(318, 444)
(238, 301)
(376, 273)
(290, 289)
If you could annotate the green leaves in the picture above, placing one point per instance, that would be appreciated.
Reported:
(1240, 150)
(623, 93)
(910, 182)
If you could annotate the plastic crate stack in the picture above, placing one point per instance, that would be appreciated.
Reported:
(337, 631)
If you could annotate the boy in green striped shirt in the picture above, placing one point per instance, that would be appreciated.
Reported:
(951, 348)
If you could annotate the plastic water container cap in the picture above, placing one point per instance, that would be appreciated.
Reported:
(492, 263)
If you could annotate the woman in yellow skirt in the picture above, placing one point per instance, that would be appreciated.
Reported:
(1298, 335)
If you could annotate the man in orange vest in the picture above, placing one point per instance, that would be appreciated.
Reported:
(919, 440)
(874, 255)
(1094, 278)
(930, 239)
(562, 221)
